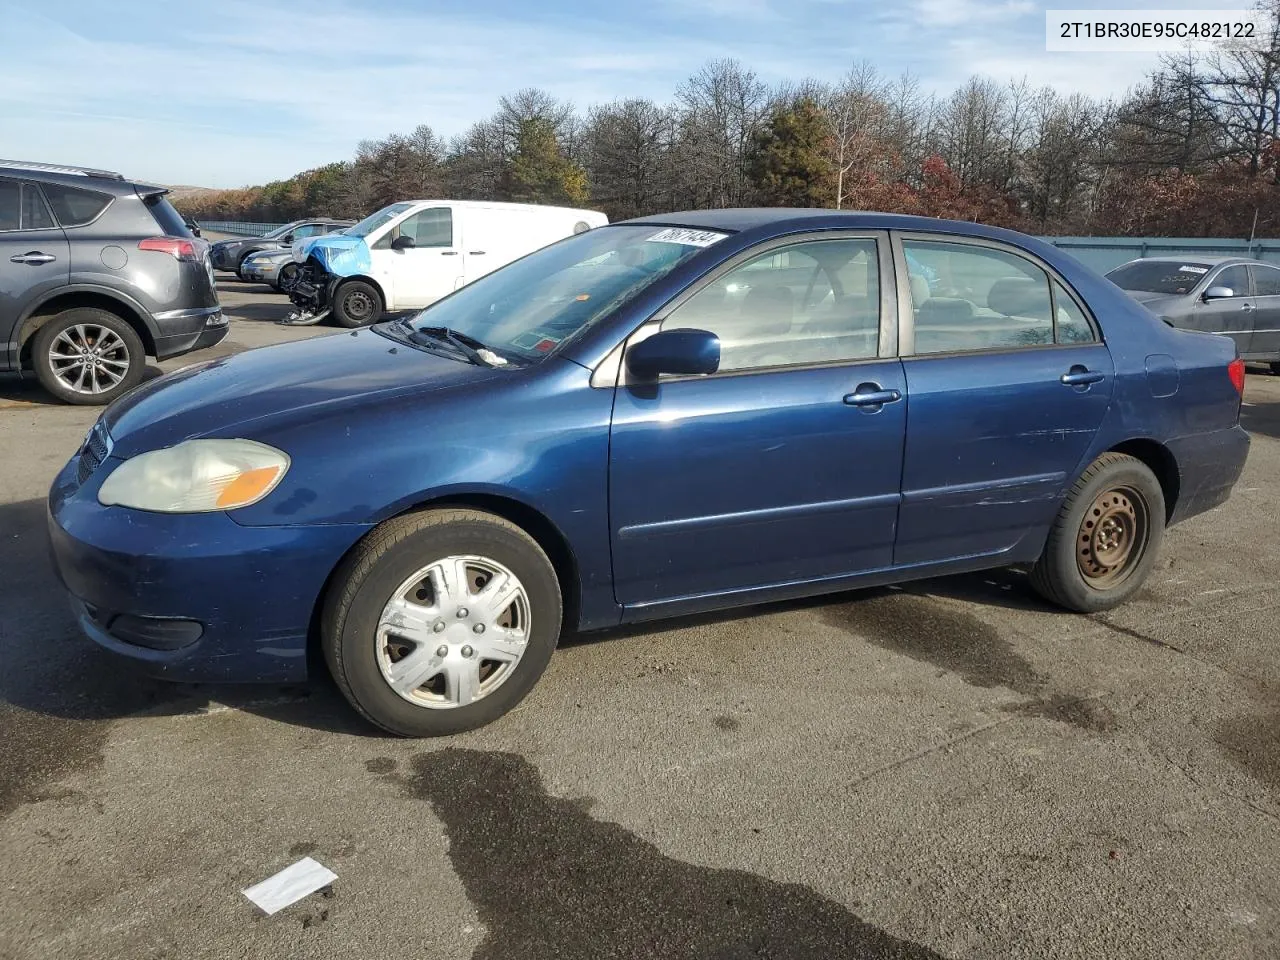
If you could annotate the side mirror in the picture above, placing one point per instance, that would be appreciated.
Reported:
(403, 242)
(287, 238)
(1217, 293)
(683, 351)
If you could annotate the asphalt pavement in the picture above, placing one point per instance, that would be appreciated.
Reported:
(951, 769)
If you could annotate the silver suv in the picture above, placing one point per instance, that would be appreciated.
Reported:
(96, 274)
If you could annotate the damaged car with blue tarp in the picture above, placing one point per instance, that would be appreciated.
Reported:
(408, 255)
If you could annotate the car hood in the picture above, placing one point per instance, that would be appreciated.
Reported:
(254, 390)
(339, 254)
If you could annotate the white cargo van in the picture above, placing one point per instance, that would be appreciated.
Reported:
(410, 254)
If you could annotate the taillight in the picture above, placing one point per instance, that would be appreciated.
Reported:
(1235, 370)
(177, 247)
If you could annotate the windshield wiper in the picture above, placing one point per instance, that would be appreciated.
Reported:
(477, 351)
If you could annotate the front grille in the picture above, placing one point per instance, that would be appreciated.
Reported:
(97, 446)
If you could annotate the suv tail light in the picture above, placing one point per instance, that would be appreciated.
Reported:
(1235, 370)
(179, 248)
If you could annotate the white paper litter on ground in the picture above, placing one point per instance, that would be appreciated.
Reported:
(290, 885)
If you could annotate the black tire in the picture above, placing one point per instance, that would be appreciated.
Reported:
(1275, 369)
(130, 351)
(368, 578)
(1127, 484)
(285, 277)
(357, 304)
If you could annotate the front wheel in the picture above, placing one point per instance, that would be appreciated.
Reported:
(286, 277)
(1105, 538)
(1275, 369)
(357, 304)
(441, 621)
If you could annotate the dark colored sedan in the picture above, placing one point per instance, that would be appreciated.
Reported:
(231, 254)
(1235, 297)
(670, 415)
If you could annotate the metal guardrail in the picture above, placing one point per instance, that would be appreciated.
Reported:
(1100, 253)
(239, 227)
(1106, 253)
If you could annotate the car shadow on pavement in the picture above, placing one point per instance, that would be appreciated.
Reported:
(27, 390)
(1005, 588)
(1261, 418)
(263, 311)
(49, 669)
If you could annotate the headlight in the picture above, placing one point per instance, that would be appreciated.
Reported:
(198, 476)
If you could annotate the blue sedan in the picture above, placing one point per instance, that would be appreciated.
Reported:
(674, 414)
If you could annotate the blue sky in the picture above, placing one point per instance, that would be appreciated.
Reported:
(230, 92)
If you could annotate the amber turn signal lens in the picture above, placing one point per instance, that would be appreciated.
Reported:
(247, 487)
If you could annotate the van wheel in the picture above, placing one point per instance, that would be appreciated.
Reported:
(357, 304)
(441, 621)
(1106, 536)
(87, 356)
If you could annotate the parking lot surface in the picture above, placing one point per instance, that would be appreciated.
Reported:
(952, 769)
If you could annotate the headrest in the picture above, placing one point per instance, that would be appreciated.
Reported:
(919, 288)
(944, 310)
(1019, 297)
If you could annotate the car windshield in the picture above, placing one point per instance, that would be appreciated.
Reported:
(1170, 277)
(279, 232)
(376, 220)
(525, 310)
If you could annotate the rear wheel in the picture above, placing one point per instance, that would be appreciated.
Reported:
(357, 304)
(441, 621)
(1275, 368)
(87, 356)
(1105, 538)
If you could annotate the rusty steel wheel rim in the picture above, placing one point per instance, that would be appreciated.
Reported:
(1112, 537)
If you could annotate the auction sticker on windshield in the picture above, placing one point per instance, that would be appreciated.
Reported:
(687, 237)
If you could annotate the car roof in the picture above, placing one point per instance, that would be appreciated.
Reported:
(1196, 258)
(791, 219)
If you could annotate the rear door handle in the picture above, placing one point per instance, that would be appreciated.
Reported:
(448, 253)
(475, 253)
(1080, 377)
(1246, 306)
(34, 258)
(872, 395)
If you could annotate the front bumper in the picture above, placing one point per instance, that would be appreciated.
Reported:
(1209, 464)
(266, 270)
(252, 591)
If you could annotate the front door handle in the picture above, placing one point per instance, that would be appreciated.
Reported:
(1079, 376)
(34, 258)
(872, 395)
(1246, 306)
(448, 253)
(475, 253)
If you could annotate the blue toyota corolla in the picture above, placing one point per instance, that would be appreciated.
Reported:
(668, 415)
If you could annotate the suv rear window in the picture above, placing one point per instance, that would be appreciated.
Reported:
(74, 207)
(169, 219)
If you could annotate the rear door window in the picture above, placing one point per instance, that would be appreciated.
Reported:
(1267, 280)
(35, 214)
(967, 297)
(10, 205)
(75, 207)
